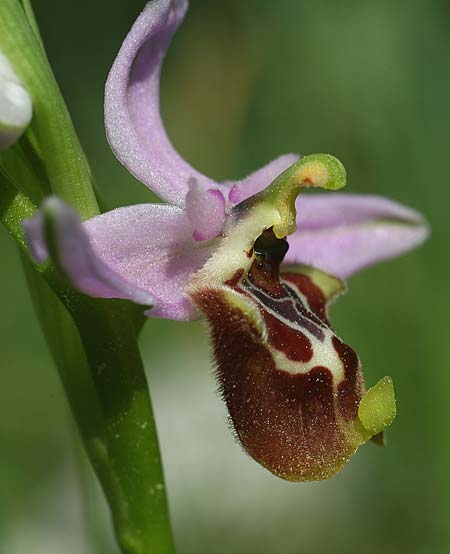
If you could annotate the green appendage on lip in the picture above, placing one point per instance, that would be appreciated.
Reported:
(377, 408)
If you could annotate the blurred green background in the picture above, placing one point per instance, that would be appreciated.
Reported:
(245, 81)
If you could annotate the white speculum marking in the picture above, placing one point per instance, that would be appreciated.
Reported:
(324, 353)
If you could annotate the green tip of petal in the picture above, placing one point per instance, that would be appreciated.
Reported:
(322, 170)
(315, 171)
(377, 408)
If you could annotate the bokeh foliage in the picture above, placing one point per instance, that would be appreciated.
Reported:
(244, 82)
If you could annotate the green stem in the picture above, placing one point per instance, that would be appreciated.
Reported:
(59, 148)
(22, 161)
(101, 369)
(141, 520)
(68, 354)
(29, 12)
(14, 208)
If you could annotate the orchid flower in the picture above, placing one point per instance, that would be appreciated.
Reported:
(259, 263)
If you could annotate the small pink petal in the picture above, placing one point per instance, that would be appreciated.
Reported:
(34, 233)
(206, 210)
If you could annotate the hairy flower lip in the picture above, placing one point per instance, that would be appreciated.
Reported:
(273, 396)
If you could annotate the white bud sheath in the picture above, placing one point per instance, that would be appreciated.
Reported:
(15, 105)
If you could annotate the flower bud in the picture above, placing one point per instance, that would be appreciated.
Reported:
(15, 105)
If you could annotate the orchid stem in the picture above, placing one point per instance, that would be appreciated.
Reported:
(141, 517)
(29, 12)
(98, 359)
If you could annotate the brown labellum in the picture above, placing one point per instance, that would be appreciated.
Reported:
(292, 388)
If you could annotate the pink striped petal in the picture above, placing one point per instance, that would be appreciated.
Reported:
(343, 233)
(133, 122)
